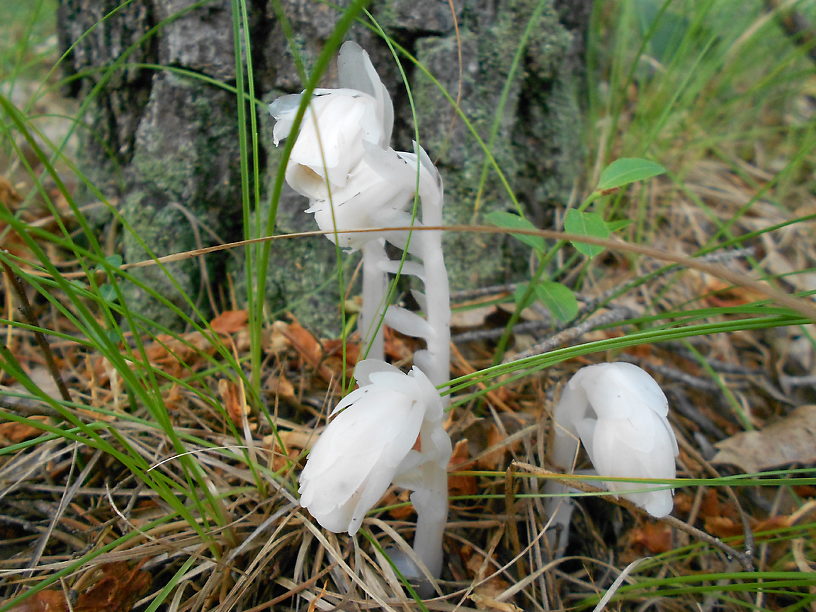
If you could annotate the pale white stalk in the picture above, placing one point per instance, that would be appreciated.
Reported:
(559, 507)
(429, 481)
(431, 504)
(437, 288)
(375, 287)
(434, 360)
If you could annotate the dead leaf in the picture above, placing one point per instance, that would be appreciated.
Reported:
(652, 536)
(280, 386)
(723, 294)
(304, 343)
(726, 527)
(309, 349)
(397, 347)
(275, 339)
(178, 356)
(460, 458)
(230, 321)
(12, 242)
(712, 506)
(116, 588)
(723, 526)
(233, 401)
(790, 440)
(805, 491)
(13, 432)
(334, 348)
(769, 524)
(487, 593)
(295, 442)
(474, 316)
(299, 440)
(393, 498)
(8, 194)
(49, 600)
(483, 602)
(494, 459)
(175, 398)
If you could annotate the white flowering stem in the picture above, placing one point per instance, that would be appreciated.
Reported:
(437, 294)
(375, 287)
(431, 504)
(558, 506)
(343, 163)
(434, 360)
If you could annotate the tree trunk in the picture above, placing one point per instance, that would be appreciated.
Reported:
(163, 143)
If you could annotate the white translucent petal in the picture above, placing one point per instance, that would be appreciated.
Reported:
(436, 446)
(285, 105)
(336, 520)
(356, 71)
(284, 110)
(585, 429)
(390, 165)
(353, 397)
(619, 413)
(366, 367)
(366, 200)
(559, 511)
(621, 389)
(615, 453)
(570, 410)
(373, 489)
(329, 141)
(355, 458)
(429, 393)
(430, 184)
(423, 360)
(377, 417)
(397, 381)
(407, 475)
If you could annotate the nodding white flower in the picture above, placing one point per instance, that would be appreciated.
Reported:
(619, 413)
(341, 159)
(379, 188)
(330, 142)
(369, 444)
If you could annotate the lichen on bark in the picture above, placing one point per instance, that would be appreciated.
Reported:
(535, 145)
(164, 145)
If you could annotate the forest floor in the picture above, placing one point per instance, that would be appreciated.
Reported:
(213, 521)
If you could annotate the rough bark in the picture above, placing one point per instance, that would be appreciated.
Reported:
(160, 141)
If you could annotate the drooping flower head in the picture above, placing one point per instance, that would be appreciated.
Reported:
(620, 414)
(341, 159)
(368, 444)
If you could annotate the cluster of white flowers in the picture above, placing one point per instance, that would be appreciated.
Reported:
(342, 163)
(389, 430)
(354, 180)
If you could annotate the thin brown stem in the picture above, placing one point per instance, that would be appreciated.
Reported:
(803, 306)
(25, 307)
